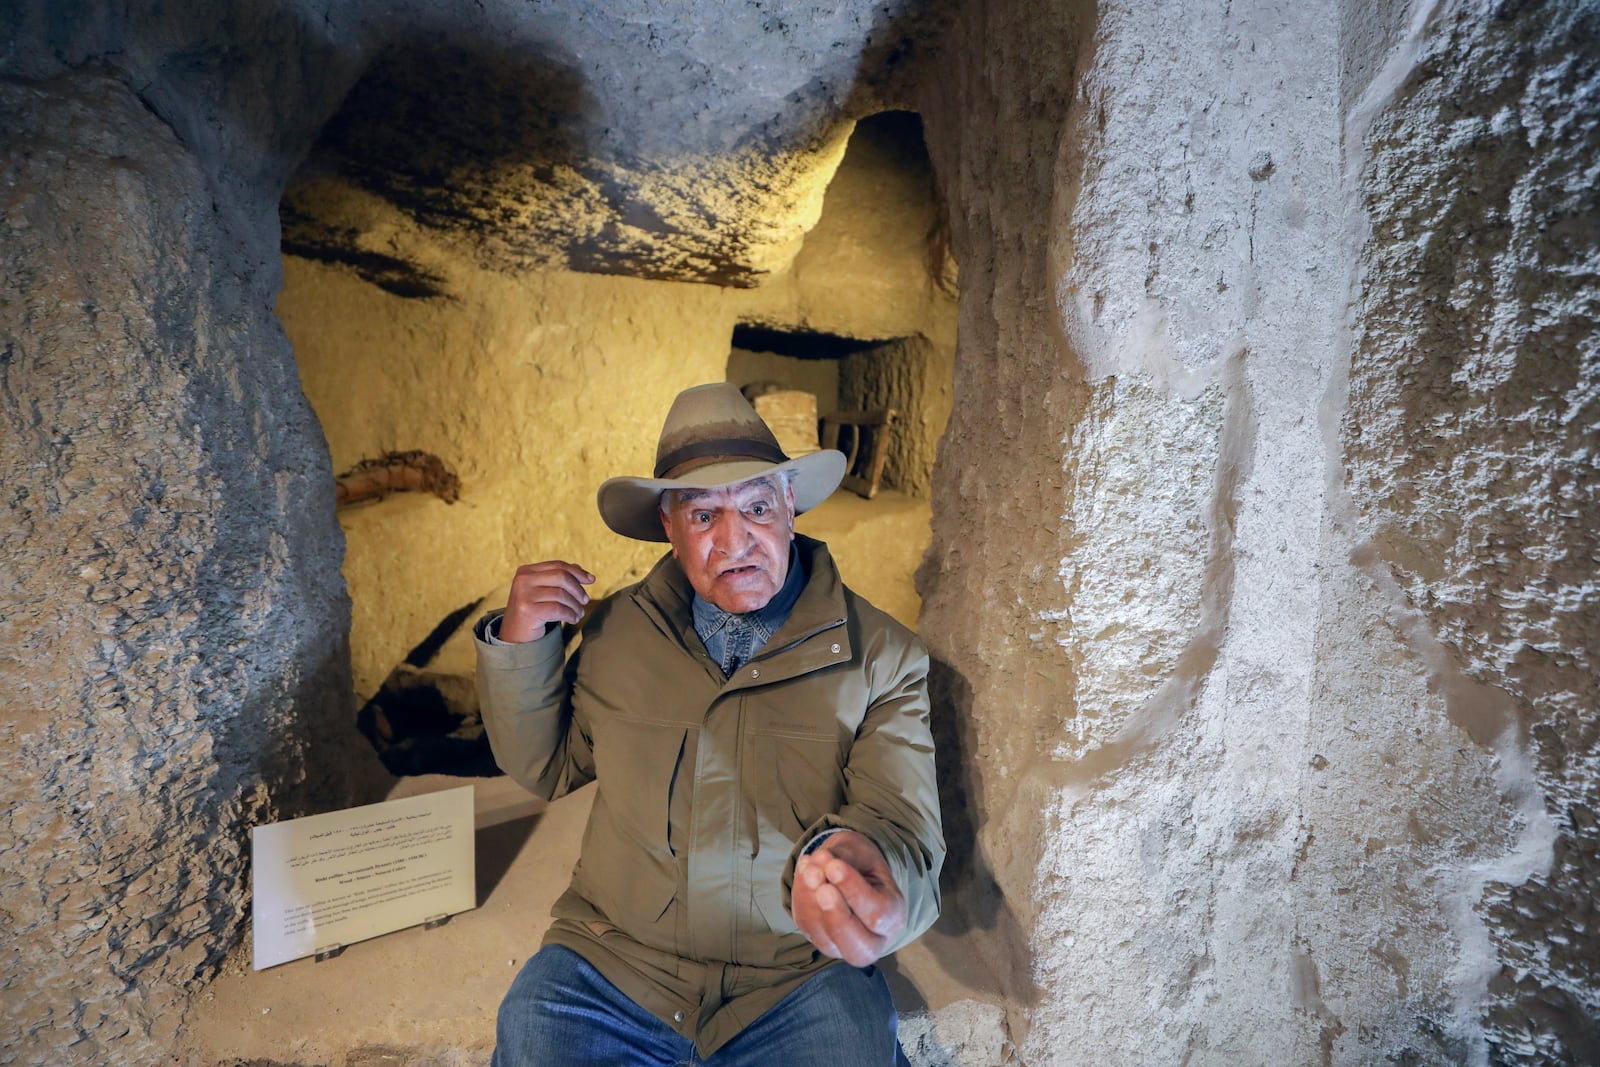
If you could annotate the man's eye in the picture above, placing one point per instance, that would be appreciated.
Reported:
(703, 518)
(759, 510)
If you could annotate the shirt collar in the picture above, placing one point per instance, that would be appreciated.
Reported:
(765, 621)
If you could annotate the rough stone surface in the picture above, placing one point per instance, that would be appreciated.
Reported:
(1262, 592)
(173, 623)
(912, 376)
(615, 137)
(966, 1032)
(1300, 705)
(876, 264)
(1472, 438)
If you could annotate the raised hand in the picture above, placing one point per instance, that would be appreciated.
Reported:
(542, 593)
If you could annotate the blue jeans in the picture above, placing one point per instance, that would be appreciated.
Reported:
(561, 1013)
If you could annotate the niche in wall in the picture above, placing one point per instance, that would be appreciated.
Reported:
(848, 377)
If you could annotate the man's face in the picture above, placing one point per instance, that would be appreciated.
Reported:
(732, 542)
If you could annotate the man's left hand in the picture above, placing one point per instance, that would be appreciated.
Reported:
(845, 900)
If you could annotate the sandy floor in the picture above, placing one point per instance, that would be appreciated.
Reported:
(427, 998)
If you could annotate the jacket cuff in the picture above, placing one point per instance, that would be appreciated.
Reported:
(499, 655)
(816, 842)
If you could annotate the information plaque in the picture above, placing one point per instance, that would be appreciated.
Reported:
(327, 881)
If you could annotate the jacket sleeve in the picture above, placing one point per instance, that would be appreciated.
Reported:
(891, 786)
(524, 695)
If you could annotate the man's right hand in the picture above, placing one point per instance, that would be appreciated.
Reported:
(542, 593)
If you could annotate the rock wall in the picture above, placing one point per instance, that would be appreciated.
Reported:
(1470, 443)
(1259, 628)
(174, 622)
(913, 376)
(877, 266)
(533, 389)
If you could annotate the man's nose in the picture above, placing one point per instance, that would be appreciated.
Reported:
(732, 535)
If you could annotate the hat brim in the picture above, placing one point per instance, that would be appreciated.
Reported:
(630, 505)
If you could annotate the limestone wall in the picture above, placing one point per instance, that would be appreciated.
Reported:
(1263, 631)
(1470, 443)
(534, 389)
(171, 613)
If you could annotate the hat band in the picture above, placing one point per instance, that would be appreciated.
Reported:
(723, 447)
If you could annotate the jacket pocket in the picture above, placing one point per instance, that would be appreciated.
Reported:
(638, 763)
(796, 780)
(635, 897)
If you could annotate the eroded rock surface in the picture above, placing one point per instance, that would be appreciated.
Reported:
(616, 138)
(174, 621)
(1471, 442)
(1290, 766)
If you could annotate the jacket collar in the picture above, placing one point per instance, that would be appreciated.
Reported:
(665, 593)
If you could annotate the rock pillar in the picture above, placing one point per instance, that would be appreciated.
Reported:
(172, 644)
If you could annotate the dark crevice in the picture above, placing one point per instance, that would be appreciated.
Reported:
(801, 344)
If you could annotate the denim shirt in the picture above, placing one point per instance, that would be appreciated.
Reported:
(731, 638)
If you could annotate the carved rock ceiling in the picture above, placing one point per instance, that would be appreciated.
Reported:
(688, 141)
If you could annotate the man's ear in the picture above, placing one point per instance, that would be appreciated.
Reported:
(666, 527)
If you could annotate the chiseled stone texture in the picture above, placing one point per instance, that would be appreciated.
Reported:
(687, 142)
(1261, 771)
(667, 141)
(1472, 441)
(172, 637)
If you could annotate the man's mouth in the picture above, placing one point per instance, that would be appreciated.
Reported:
(739, 572)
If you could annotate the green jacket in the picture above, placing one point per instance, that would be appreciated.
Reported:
(709, 787)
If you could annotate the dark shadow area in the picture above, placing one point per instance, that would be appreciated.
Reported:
(907, 997)
(304, 237)
(465, 137)
(425, 721)
(434, 127)
(977, 938)
(800, 344)
(498, 846)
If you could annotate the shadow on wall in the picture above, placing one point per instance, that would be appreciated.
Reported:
(977, 939)
(468, 139)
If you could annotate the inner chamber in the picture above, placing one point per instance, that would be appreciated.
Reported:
(474, 395)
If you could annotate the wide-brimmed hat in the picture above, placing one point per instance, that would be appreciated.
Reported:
(712, 438)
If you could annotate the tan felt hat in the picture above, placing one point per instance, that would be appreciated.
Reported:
(712, 438)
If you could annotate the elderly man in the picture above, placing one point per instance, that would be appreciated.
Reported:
(766, 821)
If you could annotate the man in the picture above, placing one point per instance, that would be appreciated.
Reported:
(766, 822)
